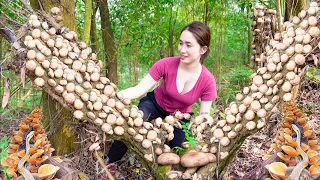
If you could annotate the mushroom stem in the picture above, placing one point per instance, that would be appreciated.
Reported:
(109, 175)
(168, 167)
(191, 170)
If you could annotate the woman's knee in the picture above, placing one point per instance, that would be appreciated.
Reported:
(148, 109)
(179, 138)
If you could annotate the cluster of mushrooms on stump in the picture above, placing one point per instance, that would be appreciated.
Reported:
(31, 146)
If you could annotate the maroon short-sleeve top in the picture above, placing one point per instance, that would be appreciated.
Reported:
(167, 95)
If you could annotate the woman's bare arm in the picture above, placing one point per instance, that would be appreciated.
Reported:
(140, 89)
(205, 107)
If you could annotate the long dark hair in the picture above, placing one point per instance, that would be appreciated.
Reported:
(202, 34)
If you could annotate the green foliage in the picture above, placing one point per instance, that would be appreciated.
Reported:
(8, 10)
(79, 13)
(180, 151)
(313, 73)
(233, 82)
(193, 144)
(218, 112)
(15, 105)
(4, 142)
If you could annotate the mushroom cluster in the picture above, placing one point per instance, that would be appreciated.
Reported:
(192, 160)
(287, 145)
(40, 148)
(263, 30)
(69, 68)
(271, 84)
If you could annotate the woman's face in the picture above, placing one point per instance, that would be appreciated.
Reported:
(189, 49)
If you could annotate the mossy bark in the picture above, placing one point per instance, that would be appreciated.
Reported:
(110, 52)
(57, 119)
(87, 21)
(57, 122)
(293, 8)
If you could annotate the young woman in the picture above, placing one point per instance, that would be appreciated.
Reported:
(184, 80)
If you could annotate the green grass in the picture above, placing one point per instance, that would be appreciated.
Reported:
(4, 142)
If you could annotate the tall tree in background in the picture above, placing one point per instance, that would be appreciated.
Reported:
(87, 21)
(93, 32)
(206, 13)
(108, 42)
(172, 21)
(293, 7)
(56, 118)
(279, 15)
(249, 32)
(218, 48)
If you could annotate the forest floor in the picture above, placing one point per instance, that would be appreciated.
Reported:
(248, 157)
(256, 146)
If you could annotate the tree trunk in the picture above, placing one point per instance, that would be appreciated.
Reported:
(293, 7)
(108, 42)
(220, 42)
(279, 15)
(87, 21)
(130, 69)
(135, 70)
(56, 124)
(67, 8)
(170, 34)
(94, 41)
(1, 41)
(162, 49)
(249, 34)
(206, 12)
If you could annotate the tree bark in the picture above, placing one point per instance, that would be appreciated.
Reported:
(170, 34)
(67, 8)
(279, 15)
(94, 40)
(57, 125)
(108, 42)
(162, 49)
(1, 41)
(249, 30)
(87, 21)
(206, 12)
(293, 7)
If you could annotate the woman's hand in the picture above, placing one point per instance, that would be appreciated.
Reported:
(137, 91)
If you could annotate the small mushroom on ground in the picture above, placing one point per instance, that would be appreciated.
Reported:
(168, 159)
(277, 169)
(47, 171)
(174, 174)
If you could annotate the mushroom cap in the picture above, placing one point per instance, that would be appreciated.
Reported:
(47, 171)
(314, 170)
(174, 174)
(168, 159)
(194, 159)
(278, 169)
